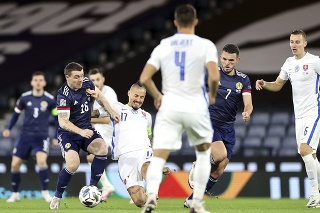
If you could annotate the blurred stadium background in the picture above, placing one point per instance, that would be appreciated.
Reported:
(119, 36)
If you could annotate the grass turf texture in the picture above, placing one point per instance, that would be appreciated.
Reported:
(120, 205)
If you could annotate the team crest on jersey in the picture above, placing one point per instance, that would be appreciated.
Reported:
(29, 103)
(43, 105)
(239, 85)
(305, 67)
(67, 146)
(63, 102)
(143, 113)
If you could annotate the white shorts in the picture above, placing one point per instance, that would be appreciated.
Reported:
(130, 165)
(170, 125)
(308, 131)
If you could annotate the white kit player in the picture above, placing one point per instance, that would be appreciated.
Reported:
(103, 125)
(303, 71)
(132, 143)
(182, 59)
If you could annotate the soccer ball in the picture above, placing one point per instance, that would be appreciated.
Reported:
(90, 196)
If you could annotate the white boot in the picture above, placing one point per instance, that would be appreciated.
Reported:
(15, 196)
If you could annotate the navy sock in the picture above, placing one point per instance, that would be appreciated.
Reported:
(209, 186)
(15, 181)
(63, 181)
(44, 178)
(98, 165)
(211, 183)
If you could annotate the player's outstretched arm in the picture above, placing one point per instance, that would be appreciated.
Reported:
(274, 86)
(213, 80)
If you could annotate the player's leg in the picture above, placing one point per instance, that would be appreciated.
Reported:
(137, 195)
(98, 147)
(167, 136)
(41, 147)
(15, 179)
(307, 130)
(199, 134)
(70, 153)
(21, 152)
(107, 187)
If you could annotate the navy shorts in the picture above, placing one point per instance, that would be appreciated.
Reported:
(227, 135)
(76, 142)
(28, 143)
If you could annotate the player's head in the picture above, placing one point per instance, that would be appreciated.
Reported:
(38, 81)
(229, 57)
(298, 41)
(96, 76)
(136, 94)
(185, 16)
(74, 75)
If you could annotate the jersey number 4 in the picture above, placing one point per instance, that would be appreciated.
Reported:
(180, 61)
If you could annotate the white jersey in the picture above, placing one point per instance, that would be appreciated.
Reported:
(106, 130)
(131, 133)
(182, 59)
(304, 77)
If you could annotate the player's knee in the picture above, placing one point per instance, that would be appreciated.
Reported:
(139, 201)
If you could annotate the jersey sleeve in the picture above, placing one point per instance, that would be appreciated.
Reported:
(20, 105)
(117, 107)
(283, 73)
(246, 86)
(149, 118)
(154, 59)
(211, 53)
(317, 64)
(63, 103)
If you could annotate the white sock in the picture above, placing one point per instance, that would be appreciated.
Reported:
(104, 181)
(311, 169)
(154, 176)
(201, 174)
(318, 171)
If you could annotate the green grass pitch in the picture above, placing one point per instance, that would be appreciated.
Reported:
(120, 205)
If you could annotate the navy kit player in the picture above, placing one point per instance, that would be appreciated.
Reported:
(182, 59)
(74, 103)
(234, 87)
(303, 71)
(38, 105)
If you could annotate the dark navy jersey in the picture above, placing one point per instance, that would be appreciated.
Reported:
(38, 110)
(229, 95)
(79, 103)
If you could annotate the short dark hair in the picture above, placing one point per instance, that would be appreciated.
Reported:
(299, 32)
(185, 15)
(137, 85)
(72, 66)
(38, 73)
(94, 71)
(231, 48)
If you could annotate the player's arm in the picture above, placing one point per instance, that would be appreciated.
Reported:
(248, 107)
(213, 80)
(64, 123)
(96, 119)
(97, 94)
(273, 86)
(146, 80)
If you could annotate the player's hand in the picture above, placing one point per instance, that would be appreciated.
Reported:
(54, 142)
(166, 170)
(116, 117)
(259, 84)
(157, 101)
(6, 133)
(92, 93)
(245, 116)
(86, 133)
